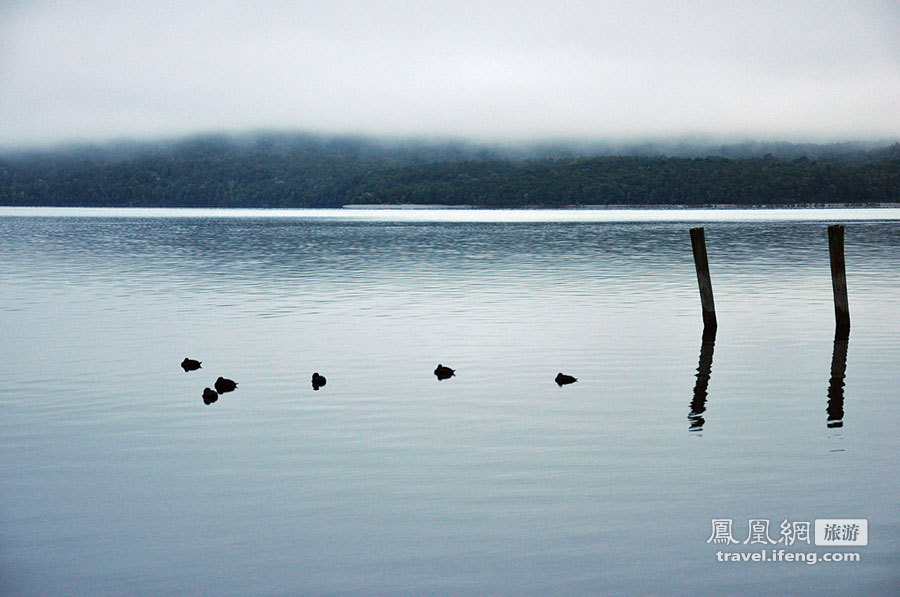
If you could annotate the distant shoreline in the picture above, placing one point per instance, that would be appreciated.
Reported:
(413, 206)
(406, 206)
(291, 173)
(437, 206)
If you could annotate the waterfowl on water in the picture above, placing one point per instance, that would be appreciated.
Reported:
(444, 372)
(190, 364)
(223, 385)
(563, 379)
(318, 381)
(209, 396)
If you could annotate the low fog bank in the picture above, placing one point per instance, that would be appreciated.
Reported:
(424, 150)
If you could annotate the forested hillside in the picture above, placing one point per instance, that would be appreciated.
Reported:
(305, 171)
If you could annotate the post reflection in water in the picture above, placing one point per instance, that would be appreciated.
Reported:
(835, 408)
(704, 370)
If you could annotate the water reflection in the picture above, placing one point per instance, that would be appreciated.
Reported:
(704, 370)
(835, 408)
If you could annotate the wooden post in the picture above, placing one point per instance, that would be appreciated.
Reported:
(698, 244)
(839, 282)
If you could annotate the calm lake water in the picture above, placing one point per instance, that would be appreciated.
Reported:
(116, 478)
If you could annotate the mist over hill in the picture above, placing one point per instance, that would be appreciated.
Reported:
(300, 170)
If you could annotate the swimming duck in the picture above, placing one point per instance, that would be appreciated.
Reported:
(563, 379)
(190, 364)
(442, 372)
(318, 381)
(223, 385)
(209, 396)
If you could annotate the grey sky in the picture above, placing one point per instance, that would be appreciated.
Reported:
(482, 69)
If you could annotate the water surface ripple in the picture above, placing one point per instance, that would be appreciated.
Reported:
(117, 479)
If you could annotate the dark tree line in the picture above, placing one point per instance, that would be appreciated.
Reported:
(280, 171)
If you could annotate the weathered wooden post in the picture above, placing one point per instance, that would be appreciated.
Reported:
(698, 244)
(839, 282)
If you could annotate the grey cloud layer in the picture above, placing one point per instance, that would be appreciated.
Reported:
(488, 70)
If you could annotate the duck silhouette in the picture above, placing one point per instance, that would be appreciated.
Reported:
(443, 373)
(563, 379)
(190, 364)
(318, 381)
(223, 385)
(209, 396)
